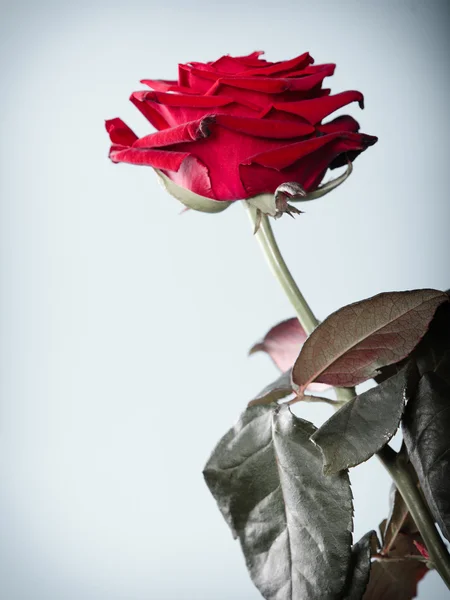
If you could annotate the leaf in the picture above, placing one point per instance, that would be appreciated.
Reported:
(362, 426)
(396, 575)
(353, 343)
(294, 523)
(282, 343)
(433, 352)
(394, 579)
(360, 567)
(278, 389)
(396, 572)
(426, 427)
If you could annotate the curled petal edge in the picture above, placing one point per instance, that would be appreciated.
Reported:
(191, 199)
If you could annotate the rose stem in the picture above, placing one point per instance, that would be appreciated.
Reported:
(419, 510)
(279, 268)
(395, 467)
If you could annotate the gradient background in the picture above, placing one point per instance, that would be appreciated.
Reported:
(125, 327)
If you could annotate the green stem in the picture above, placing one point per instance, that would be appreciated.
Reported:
(418, 509)
(396, 468)
(279, 268)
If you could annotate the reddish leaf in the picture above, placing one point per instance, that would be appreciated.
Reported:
(395, 575)
(394, 579)
(400, 564)
(283, 343)
(353, 343)
(396, 521)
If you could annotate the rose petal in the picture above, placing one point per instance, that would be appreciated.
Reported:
(194, 175)
(163, 85)
(268, 85)
(299, 62)
(318, 108)
(158, 159)
(342, 123)
(253, 59)
(311, 69)
(265, 128)
(285, 156)
(191, 199)
(165, 110)
(120, 133)
(188, 132)
(304, 162)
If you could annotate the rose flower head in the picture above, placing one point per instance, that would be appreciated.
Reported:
(239, 128)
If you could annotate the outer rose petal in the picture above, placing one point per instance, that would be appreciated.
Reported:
(241, 140)
(164, 85)
(252, 59)
(233, 64)
(187, 132)
(303, 162)
(269, 129)
(120, 133)
(168, 110)
(156, 150)
(342, 123)
(158, 159)
(191, 199)
(334, 143)
(283, 66)
(318, 108)
(231, 142)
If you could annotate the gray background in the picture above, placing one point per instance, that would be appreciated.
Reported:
(125, 326)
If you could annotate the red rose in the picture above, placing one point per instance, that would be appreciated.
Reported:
(241, 126)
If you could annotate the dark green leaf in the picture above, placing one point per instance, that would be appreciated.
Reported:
(360, 567)
(353, 343)
(426, 431)
(294, 523)
(277, 390)
(433, 352)
(363, 425)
